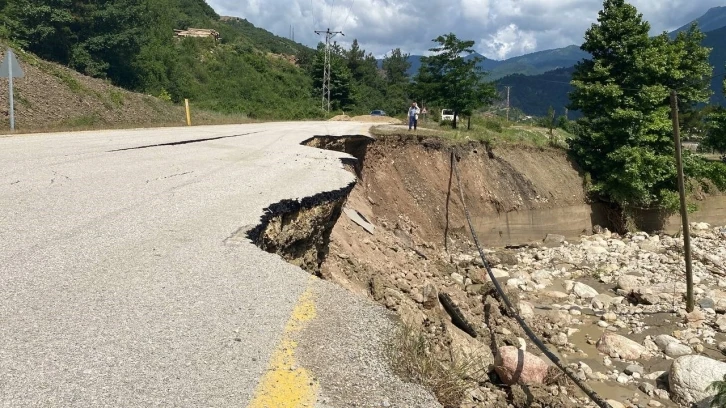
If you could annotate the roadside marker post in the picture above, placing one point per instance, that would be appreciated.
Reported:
(189, 116)
(10, 68)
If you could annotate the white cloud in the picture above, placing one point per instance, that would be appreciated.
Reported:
(502, 28)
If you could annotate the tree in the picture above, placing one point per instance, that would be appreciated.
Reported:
(42, 27)
(448, 79)
(395, 67)
(623, 92)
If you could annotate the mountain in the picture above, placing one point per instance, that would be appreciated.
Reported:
(537, 62)
(529, 64)
(714, 19)
(534, 94)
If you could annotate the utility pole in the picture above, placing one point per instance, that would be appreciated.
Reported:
(684, 208)
(508, 103)
(567, 116)
(326, 68)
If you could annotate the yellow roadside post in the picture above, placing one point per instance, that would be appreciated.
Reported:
(189, 115)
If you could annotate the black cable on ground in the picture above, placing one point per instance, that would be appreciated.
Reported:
(511, 311)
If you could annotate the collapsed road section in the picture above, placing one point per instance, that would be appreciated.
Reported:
(401, 240)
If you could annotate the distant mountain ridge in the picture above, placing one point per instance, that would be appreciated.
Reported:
(714, 19)
(541, 62)
(535, 93)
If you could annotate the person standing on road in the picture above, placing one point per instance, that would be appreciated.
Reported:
(413, 112)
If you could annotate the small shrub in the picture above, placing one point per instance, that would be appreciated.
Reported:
(446, 123)
(719, 400)
(165, 96)
(117, 97)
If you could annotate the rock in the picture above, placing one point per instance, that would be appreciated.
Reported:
(707, 303)
(647, 388)
(654, 375)
(654, 404)
(690, 376)
(722, 347)
(629, 283)
(526, 309)
(601, 301)
(610, 317)
(615, 404)
(458, 278)
(695, 319)
(517, 366)
(622, 379)
(721, 323)
(553, 240)
(553, 294)
(663, 340)
(611, 343)
(583, 291)
(675, 350)
(559, 339)
(633, 368)
(700, 226)
(662, 394)
(430, 296)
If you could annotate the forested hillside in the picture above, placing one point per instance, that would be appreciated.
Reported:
(131, 43)
(248, 70)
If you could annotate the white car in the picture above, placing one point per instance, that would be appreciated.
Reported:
(447, 114)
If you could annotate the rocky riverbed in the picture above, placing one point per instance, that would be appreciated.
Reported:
(614, 308)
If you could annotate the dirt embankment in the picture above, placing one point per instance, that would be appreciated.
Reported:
(403, 189)
(412, 178)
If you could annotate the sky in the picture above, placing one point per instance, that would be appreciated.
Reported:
(501, 28)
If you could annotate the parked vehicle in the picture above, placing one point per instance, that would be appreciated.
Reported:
(447, 114)
(378, 113)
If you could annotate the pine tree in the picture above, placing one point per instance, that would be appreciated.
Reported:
(623, 92)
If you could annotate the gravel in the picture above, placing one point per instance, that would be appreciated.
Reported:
(350, 359)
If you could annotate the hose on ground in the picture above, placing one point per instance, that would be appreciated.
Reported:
(511, 311)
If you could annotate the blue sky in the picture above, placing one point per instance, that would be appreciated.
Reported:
(501, 28)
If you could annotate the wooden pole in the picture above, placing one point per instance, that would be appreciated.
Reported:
(684, 208)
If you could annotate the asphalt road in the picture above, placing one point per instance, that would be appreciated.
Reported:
(116, 286)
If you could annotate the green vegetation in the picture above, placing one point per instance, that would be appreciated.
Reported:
(719, 400)
(449, 79)
(624, 139)
(491, 130)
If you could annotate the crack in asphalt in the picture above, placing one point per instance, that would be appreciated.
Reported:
(181, 142)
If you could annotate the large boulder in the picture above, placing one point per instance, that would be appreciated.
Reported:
(516, 366)
(690, 376)
(583, 291)
(613, 344)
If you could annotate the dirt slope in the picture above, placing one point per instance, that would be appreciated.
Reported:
(51, 96)
(411, 178)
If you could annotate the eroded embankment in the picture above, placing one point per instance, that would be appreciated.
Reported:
(587, 301)
(299, 230)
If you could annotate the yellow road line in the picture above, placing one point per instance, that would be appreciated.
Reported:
(286, 385)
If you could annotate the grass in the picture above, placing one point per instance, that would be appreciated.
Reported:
(411, 354)
(491, 131)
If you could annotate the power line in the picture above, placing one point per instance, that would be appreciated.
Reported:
(326, 67)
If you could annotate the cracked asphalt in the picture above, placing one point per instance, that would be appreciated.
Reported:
(118, 286)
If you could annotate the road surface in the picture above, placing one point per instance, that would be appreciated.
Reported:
(117, 287)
